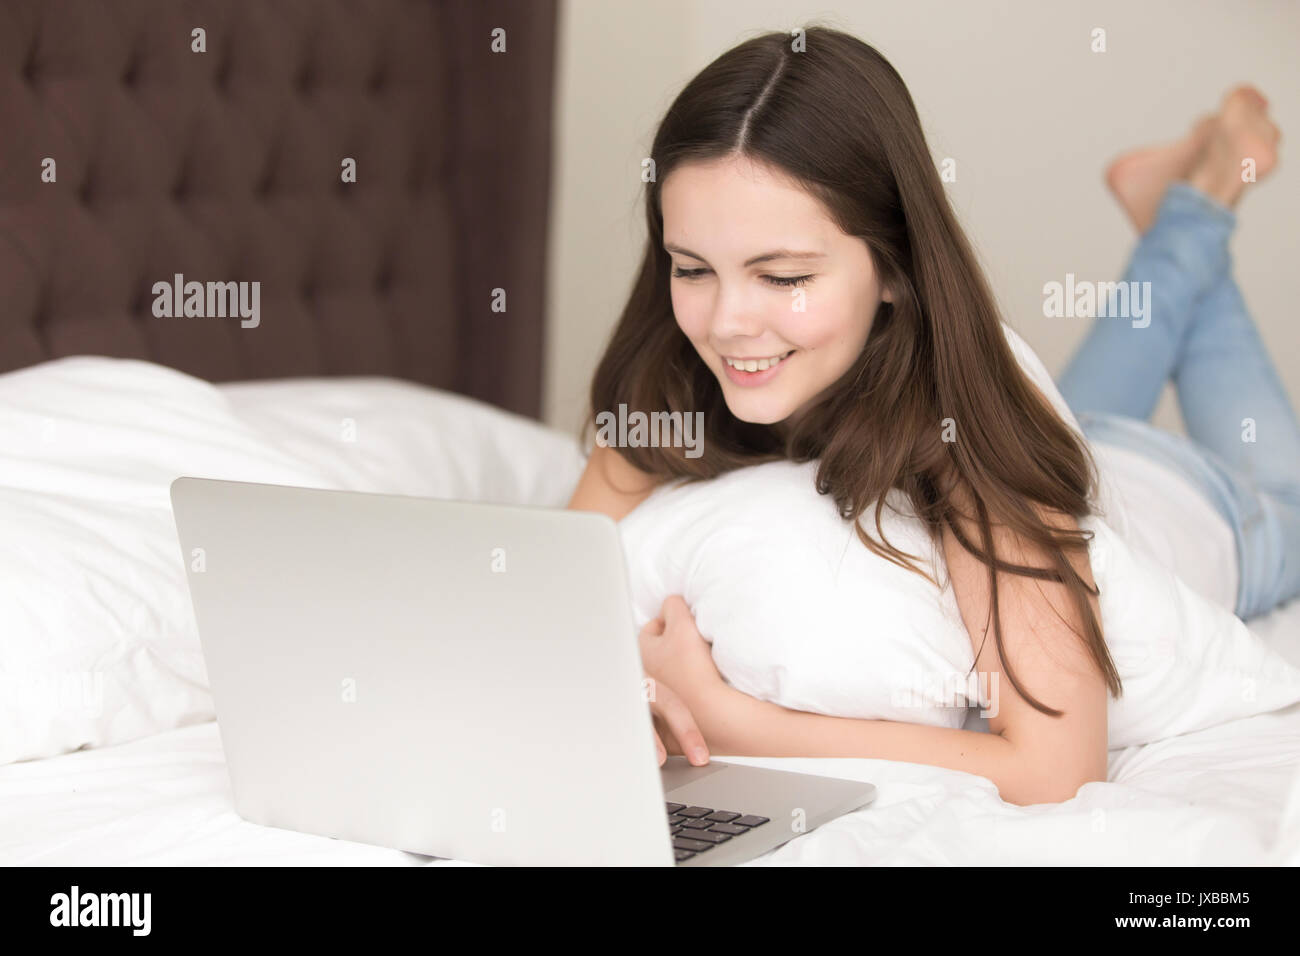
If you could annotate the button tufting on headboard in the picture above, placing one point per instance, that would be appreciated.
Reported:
(225, 166)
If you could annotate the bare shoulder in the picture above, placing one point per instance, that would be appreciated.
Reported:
(610, 484)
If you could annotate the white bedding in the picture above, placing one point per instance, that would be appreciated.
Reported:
(1214, 797)
(1229, 794)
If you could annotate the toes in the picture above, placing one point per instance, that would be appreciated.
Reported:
(1245, 94)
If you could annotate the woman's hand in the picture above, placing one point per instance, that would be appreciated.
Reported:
(675, 728)
(684, 683)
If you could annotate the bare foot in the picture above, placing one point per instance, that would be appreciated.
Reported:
(1242, 132)
(1139, 179)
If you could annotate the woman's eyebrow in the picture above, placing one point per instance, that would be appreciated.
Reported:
(765, 257)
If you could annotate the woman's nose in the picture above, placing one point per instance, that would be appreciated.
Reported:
(736, 316)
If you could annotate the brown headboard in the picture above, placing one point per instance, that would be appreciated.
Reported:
(225, 166)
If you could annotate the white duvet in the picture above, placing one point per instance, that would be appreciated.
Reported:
(1229, 794)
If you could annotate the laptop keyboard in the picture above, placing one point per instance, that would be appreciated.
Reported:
(699, 829)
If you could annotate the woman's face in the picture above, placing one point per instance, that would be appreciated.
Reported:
(739, 231)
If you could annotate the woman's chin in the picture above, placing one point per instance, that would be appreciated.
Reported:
(759, 413)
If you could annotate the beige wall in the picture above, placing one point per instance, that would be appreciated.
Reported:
(1010, 90)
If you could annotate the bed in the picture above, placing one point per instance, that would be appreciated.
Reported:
(1218, 797)
(379, 365)
(1226, 795)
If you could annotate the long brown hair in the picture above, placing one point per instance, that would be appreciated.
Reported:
(838, 119)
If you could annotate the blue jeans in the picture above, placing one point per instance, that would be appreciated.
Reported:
(1243, 444)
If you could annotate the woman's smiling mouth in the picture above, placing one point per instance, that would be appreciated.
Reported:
(754, 371)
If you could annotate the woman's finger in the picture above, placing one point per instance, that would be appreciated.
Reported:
(681, 724)
(653, 627)
(674, 609)
(671, 746)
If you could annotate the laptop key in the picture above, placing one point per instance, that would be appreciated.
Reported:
(709, 836)
(677, 819)
(722, 816)
(674, 807)
(729, 828)
(701, 824)
(686, 843)
(683, 855)
(749, 820)
(695, 812)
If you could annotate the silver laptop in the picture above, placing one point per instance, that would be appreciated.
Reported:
(457, 680)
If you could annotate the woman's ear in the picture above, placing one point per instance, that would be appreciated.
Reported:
(887, 295)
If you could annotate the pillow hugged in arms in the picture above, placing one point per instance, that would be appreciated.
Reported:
(801, 613)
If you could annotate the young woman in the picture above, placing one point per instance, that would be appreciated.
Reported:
(806, 286)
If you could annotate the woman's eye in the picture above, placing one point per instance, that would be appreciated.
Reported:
(773, 280)
(789, 280)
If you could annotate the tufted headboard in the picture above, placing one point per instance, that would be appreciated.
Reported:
(227, 165)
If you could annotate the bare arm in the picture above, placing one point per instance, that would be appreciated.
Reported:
(610, 485)
(1031, 757)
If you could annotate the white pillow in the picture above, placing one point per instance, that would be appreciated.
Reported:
(97, 641)
(384, 434)
(800, 613)
(97, 637)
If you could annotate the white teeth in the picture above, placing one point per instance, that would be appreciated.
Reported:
(755, 365)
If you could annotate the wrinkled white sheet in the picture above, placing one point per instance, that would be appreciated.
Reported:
(1218, 796)
(1229, 795)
